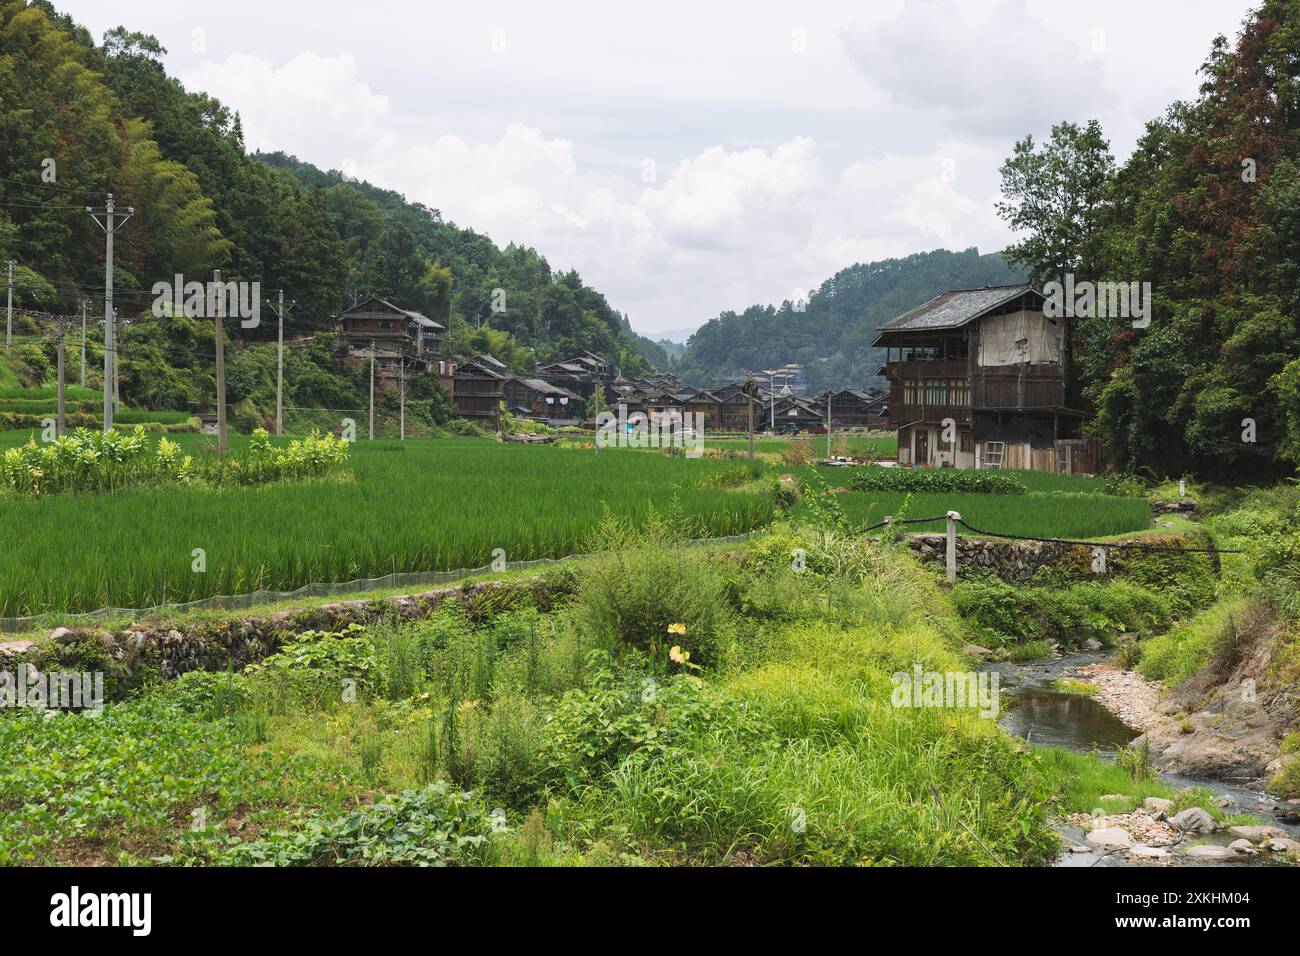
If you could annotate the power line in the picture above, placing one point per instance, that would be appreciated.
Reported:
(84, 191)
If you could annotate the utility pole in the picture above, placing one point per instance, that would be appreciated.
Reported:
(220, 296)
(372, 389)
(9, 310)
(109, 226)
(749, 393)
(61, 428)
(117, 371)
(828, 422)
(83, 343)
(401, 417)
(279, 367)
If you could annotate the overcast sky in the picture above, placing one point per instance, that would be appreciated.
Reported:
(686, 157)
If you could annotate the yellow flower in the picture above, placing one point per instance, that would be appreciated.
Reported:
(677, 629)
(678, 656)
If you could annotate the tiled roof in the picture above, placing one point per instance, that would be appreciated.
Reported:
(954, 308)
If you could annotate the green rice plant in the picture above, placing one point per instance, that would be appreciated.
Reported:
(1042, 514)
(429, 505)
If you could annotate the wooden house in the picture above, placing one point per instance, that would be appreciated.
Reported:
(989, 363)
(539, 399)
(794, 413)
(856, 408)
(707, 405)
(398, 337)
(479, 389)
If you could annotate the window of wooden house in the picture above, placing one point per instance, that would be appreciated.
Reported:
(965, 441)
(936, 391)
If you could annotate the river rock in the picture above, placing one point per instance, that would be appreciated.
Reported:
(1110, 836)
(1193, 820)
(974, 650)
(1150, 852)
(1158, 803)
(1255, 834)
(1284, 845)
(1209, 851)
(1243, 846)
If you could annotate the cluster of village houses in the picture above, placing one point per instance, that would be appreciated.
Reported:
(978, 378)
(559, 394)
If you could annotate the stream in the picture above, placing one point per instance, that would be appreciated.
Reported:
(1033, 709)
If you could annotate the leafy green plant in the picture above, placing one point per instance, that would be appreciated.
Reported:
(435, 826)
(873, 478)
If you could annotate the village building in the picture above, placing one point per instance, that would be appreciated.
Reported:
(538, 399)
(857, 408)
(794, 413)
(989, 370)
(397, 337)
(479, 389)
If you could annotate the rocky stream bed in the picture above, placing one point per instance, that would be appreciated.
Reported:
(1117, 833)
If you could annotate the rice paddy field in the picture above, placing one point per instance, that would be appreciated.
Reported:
(1057, 506)
(426, 505)
(433, 505)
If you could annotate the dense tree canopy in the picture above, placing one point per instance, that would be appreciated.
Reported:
(79, 120)
(1207, 210)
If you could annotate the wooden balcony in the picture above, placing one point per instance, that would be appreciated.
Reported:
(928, 368)
(900, 414)
(1038, 388)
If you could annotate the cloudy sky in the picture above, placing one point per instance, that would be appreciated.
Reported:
(686, 157)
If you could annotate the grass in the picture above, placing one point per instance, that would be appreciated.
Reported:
(1174, 657)
(1054, 515)
(575, 732)
(1066, 686)
(413, 506)
(785, 750)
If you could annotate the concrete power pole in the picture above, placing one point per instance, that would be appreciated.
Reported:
(83, 343)
(401, 417)
(372, 389)
(749, 393)
(9, 310)
(109, 225)
(117, 368)
(220, 296)
(279, 367)
(61, 428)
(828, 423)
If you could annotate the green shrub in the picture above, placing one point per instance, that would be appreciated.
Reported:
(209, 694)
(1003, 613)
(1176, 656)
(937, 480)
(436, 826)
(630, 597)
(618, 714)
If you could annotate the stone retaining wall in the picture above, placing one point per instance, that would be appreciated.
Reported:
(156, 648)
(1019, 560)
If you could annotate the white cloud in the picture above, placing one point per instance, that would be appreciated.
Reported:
(314, 105)
(774, 170)
(1005, 74)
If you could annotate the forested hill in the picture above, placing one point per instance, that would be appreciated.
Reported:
(831, 336)
(111, 119)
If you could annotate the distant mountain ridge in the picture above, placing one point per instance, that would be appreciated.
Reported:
(831, 335)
